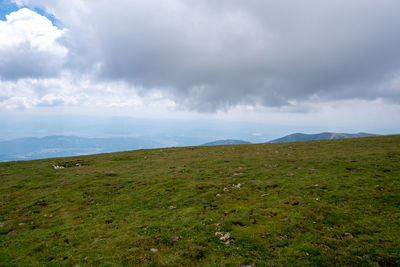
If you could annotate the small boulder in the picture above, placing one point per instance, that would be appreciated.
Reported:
(225, 237)
(239, 185)
(348, 235)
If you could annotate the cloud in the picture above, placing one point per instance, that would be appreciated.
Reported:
(65, 93)
(29, 46)
(211, 55)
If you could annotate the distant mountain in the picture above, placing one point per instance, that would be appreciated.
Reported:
(63, 146)
(226, 142)
(296, 137)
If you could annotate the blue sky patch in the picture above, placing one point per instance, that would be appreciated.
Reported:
(6, 7)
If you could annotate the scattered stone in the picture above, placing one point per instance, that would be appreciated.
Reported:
(281, 237)
(284, 218)
(218, 195)
(239, 185)
(226, 238)
(290, 174)
(12, 232)
(21, 224)
(171, 207)
(175, 238)
(57, 166)
(237, 173)
(317, 185)
(247, 265)
(78, 165)
(226, 189)
(154, 250)
(219, 233)
(318, 198)
(264, 195)
(349, 235)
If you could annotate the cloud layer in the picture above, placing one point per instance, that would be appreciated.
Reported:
(29, 46)
(210, 55)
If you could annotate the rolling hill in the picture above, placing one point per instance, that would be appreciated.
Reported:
(319, 203)
(226, 142)
(296, 137)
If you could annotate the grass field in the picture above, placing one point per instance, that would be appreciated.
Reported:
(320, 203)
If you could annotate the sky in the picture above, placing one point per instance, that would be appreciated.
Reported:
(306, 65)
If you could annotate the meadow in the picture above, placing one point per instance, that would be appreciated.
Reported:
(318, 203)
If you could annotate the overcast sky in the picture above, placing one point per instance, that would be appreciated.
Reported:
(309, 62)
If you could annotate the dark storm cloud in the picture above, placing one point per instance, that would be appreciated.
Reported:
(212, 54)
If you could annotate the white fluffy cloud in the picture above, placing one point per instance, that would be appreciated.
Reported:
(64, 93)
(29, 46)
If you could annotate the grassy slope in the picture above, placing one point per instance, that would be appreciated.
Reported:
(114, 208)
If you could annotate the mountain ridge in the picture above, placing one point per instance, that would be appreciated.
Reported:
(30, 148)
(299, 137)
(226, 142)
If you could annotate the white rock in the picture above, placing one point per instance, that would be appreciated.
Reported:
(225, 237)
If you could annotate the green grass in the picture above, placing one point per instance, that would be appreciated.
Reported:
(320, 203)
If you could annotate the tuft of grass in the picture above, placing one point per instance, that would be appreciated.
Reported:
(319, 203)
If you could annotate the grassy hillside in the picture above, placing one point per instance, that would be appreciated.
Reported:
(226, 142)
(332, 203)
